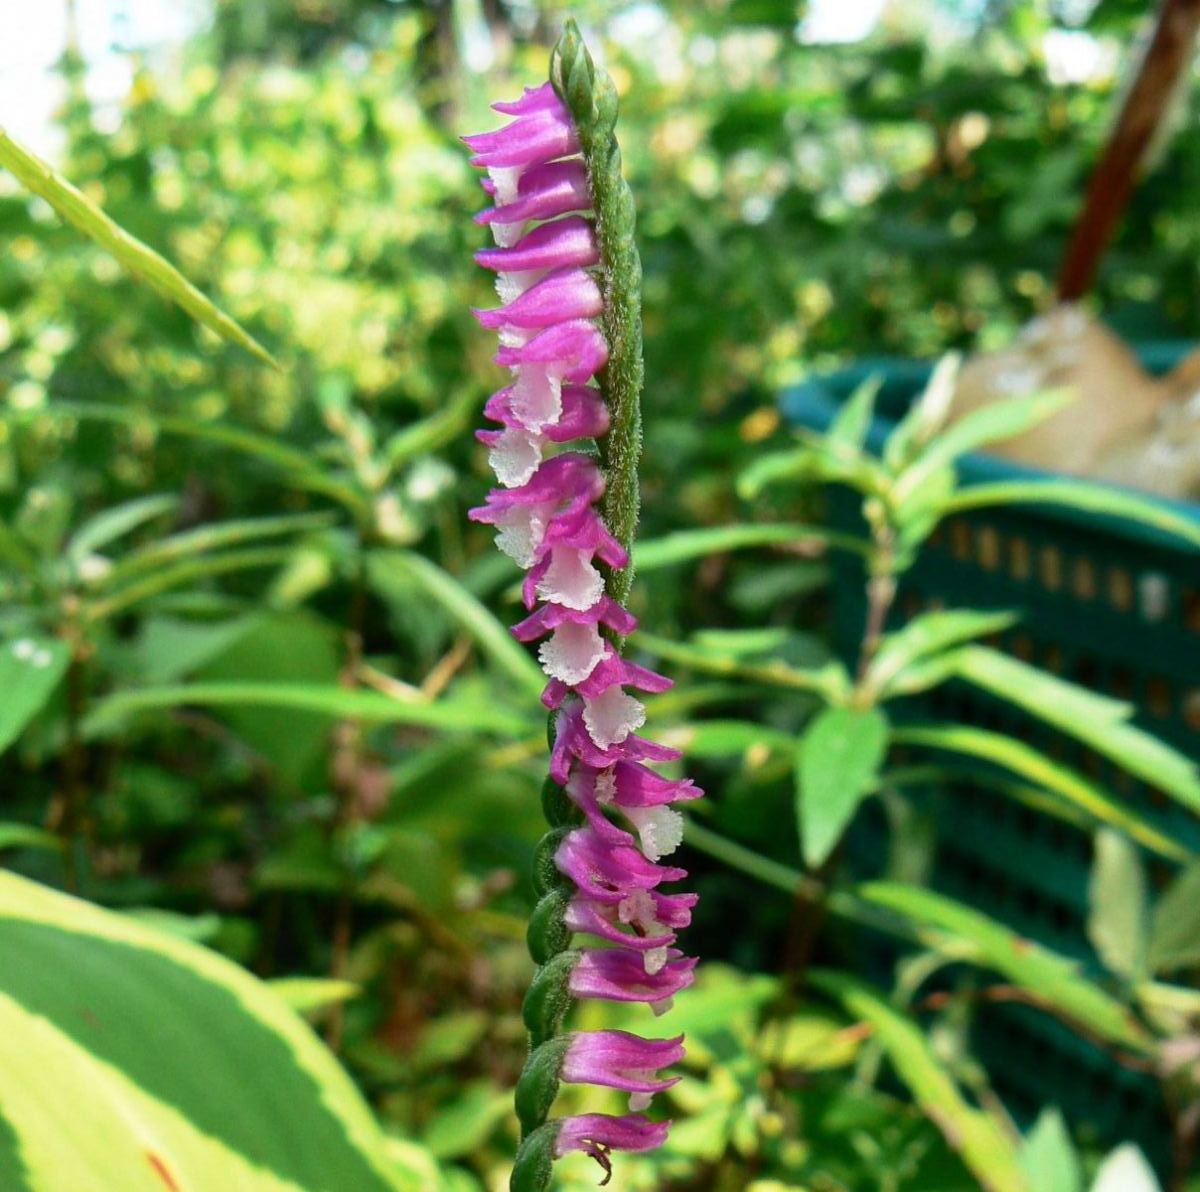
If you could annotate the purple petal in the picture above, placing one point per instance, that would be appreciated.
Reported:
(572, 740)
(616, 671)
(583, 528)
(555, 245)
(534, 99)
(609, 872)
(528, 140)
(549, 617)
(561, 295)
(596, 1134)
(570, 478)
(619, 975)
(620, 1060)
(601, 919)
(543, 192)
(639, 786)
(577, 348)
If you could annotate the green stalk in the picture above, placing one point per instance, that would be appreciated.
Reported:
(591, 98)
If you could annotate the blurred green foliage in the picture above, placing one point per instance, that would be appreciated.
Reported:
(214, 759)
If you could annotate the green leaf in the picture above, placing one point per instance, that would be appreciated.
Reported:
(1126, 1170)
(1053, 980)
(116, 522)
(979, 1138)
(1048, 1156)
(848, 430)
(722, 738)
(829, 680)
(160, 1064)
(1080, 496)
(1035, 767)
(30, 670)
(27, 836)
(837, 762)
(466, 1122)
(686, 545)
(1096, 720)
(204, 540)
(307, 995)
(164, 579)
(384, 568)
(430, 433)
(1000, 420)
(139, 259)
(1117, 919)
(302, 471)
(1175, 924)
(925, 416)
(931, 633)
(338, 703)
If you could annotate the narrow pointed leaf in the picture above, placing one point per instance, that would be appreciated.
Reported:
(1098, 721)
(979, 1138)
(138, 258)
(385, 568)
(335, 702)
(1053, 980)
(1002, 750)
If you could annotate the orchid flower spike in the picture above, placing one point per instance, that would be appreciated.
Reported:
(569, 325)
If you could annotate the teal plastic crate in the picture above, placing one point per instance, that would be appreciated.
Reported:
(1104, 602)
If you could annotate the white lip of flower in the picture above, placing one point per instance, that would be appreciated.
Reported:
(537, 395)
(507, 180)
(660, 829)
(571, 580)
(640, 1101)
(515, 456)
(606, 787)
(519, 532)
(663, 1007)
(572, 652)
(637, 910)
(510, 286)
(612, 716)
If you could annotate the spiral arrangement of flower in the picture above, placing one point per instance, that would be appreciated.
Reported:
(565, 454)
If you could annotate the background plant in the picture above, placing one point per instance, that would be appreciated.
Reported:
(280, 715)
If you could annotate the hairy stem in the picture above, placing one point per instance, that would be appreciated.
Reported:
(591, 98)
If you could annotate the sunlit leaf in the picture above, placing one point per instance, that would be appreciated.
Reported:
(1003, 750)
(837, 760)
(977, 1136)
(1100, 722)
(1117, 923)
(1077, 496)
(1048, 1156)
(30, 670)
(141, 260)
(1175, 924)
(335, 702)
(183, 1071)
(1055, 982)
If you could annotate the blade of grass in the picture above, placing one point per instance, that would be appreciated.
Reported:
(138, 258)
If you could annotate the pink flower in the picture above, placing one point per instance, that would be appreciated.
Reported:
(620, 1060)
(548, 518)
(596, 1134)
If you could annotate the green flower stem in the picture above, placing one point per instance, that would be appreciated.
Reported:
(591, 98)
